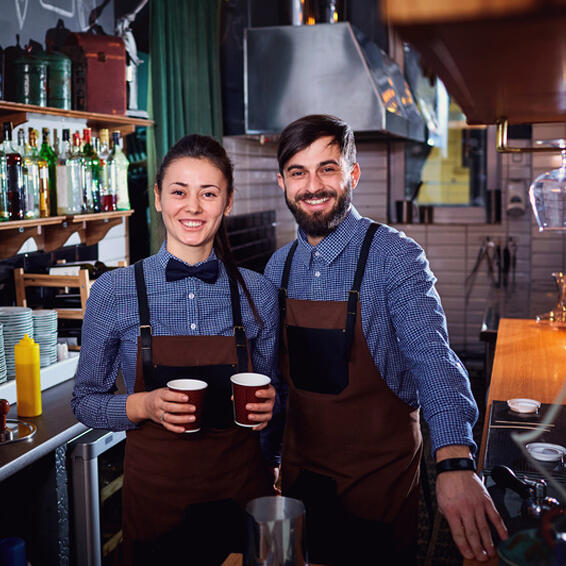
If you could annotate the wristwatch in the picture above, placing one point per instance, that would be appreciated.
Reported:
(455, 465)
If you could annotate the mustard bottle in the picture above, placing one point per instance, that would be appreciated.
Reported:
(28, 384)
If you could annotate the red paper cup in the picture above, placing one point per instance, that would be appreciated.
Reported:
(244, 386)
(196, 390)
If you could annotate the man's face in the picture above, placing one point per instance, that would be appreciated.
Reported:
(318, 187)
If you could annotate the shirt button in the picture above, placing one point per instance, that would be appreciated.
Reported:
(317, 273)
(316, 254)
(191, 295)
(193, 325)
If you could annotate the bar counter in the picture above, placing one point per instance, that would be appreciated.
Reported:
(530, 362)
(55, 426)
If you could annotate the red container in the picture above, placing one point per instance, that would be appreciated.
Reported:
(99, 72)
(195, 389)
(244, 387)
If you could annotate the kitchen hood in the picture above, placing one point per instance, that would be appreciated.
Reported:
(291, 71)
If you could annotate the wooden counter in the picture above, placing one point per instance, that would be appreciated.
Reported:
(530, 361)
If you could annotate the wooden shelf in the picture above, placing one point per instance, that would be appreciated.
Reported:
(17, 113)
(108, 490)
(51, 233)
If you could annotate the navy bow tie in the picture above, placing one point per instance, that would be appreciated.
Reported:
(207, 272)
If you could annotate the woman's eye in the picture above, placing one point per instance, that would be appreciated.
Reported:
(210, 194)
(177, 192)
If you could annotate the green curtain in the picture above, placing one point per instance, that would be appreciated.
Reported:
(184, 87)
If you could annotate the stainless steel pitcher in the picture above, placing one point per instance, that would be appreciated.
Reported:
(276, 532)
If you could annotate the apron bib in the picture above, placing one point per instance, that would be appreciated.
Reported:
(351, 447)
(184, 494)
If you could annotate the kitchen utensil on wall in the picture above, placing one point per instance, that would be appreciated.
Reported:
(276, 532)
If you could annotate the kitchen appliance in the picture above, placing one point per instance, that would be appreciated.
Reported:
(276, 532)
(97, 477)
(292, 71)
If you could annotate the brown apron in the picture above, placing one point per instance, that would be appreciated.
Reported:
(351, 447)
(184, 494)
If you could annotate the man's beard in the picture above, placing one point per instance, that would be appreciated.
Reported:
(319, 224)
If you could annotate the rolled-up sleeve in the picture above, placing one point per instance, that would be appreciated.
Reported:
(94, 401)
(420, 326)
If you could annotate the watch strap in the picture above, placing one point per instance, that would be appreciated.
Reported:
(455, 465)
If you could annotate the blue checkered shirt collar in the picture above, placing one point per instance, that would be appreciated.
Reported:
(332, 245)
(163, 256)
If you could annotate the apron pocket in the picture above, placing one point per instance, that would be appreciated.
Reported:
(317, 359)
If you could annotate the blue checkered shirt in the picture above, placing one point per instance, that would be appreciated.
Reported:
(402, 318)
(185, 307)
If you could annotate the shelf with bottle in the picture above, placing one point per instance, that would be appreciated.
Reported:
(17, 113)
(52, 232)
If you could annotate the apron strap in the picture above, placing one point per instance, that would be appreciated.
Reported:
(282, 294)
(145, 327)
(239, 331)
(354, 293)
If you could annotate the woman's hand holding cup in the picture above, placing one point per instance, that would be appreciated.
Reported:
(254, 399)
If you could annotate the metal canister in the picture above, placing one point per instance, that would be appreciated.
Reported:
(30, 81)
(58, 79)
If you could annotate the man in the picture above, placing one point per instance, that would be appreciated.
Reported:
(363, 345)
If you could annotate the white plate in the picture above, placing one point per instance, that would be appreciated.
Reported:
(524, 406)
(545, 452)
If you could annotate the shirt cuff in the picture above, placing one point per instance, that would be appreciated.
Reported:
(448, 429)
(116, 413)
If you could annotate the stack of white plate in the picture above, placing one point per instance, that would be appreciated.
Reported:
(3, 368)
(45, 334)
(17, 323)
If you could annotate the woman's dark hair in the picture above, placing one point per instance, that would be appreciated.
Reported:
(303, 132)
(204, 147)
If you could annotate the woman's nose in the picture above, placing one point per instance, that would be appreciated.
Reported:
(192, 203)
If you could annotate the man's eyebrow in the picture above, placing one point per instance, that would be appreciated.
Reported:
(294, 166)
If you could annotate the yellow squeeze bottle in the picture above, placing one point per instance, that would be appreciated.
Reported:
(28, 384)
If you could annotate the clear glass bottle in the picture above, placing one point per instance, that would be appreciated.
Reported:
(78, 164)
(47, 153)
(118, 173)
(106, 187)
(31, 176)
(4, 203)
(91, 169)
(14, 169)
(68, 172)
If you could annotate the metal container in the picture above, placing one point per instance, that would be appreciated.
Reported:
(58, 79)
(30, 81)
(276, 532)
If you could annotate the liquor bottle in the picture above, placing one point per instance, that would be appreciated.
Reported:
(91, 170)
(47, 153)
(31, 177)
(15, 176)
(118, 173)
(69, 174)
(4, 203)
(85, 180)
(37, 163)
(106, 187)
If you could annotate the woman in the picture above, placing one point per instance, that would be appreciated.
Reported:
(180, 313)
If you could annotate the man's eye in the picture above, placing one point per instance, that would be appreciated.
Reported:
(297, 173)
(329, 170)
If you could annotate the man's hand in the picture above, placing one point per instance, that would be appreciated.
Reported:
(467, 506)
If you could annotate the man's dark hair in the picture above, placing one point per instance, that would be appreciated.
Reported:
(303, 132)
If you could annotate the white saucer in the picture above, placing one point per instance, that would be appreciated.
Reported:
(524, 406)
(545, 452)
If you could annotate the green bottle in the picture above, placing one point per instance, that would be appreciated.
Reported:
(50, 157)
(91, 170)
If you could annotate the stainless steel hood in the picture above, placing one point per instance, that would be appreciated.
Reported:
(291, 71)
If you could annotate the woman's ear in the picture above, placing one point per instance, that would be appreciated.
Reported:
(157, 198)
(228, 207)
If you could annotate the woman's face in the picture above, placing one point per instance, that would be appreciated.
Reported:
(192, 202)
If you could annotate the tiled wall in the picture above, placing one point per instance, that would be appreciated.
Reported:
(451, 248)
